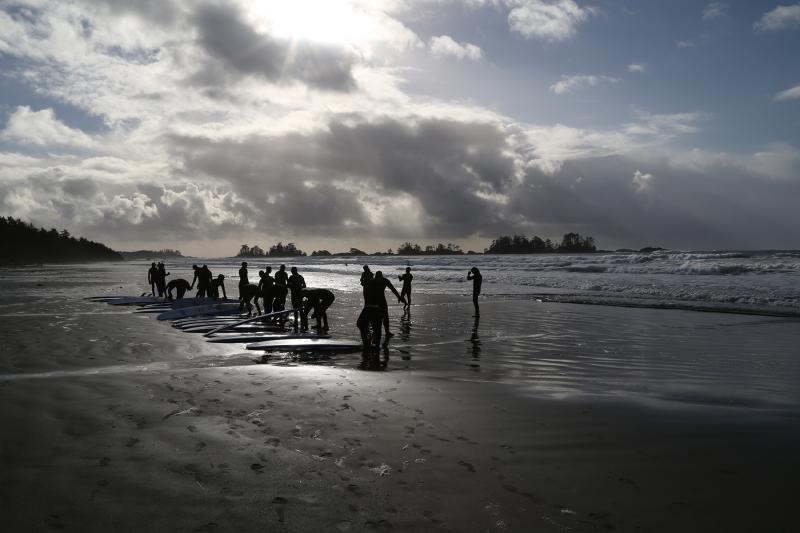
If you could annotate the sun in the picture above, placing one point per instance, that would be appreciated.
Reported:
(340, 22)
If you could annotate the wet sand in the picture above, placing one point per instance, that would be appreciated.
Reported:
(546, 417)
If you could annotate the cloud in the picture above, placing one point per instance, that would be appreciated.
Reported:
(637, 67)
(446, 46)
(42, 128)
(686, 44)
(780, 18)
(642, 182)
(715, 10)
(237, 48)
(548, 20)
(569, 84)
(789, 94)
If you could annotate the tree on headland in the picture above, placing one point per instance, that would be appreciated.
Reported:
(519, 244)
(23, 243)
(440, 249)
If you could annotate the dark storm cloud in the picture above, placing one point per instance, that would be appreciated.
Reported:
(448, 167)
(235, 48)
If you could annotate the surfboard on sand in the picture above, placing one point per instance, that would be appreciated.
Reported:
(135, 300)
(201, 310)
(308, 345)
(257, 337)
(244, 328)
(252, 319)
(198, 323)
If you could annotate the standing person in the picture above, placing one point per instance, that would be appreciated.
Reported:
(281, 276)
(215, 286)
(196, 279)
(296, 284)
(366, 277)
(266, 286)
(319, 300)
(203, 277)
(180, 285)
(406, 290)
(370, 319)
(374, 295)
(152, 274)
(475, 275)
(281, 289)
(243, 277)
(161, 279)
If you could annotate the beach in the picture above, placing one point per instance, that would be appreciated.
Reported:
(541, 416)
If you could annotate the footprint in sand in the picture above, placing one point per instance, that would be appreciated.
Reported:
(257, 468)
(381, 525)
(467, 465)
(279, 503)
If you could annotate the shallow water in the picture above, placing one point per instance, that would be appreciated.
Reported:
(548, 349)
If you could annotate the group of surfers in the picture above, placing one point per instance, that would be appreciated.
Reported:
(273, 290)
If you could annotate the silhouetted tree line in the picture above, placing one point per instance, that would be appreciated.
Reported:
(152, 254)
(276, 250)
(519, 244)
(21, 242)
(440, 249)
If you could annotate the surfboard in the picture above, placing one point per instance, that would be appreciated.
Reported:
(135, 300)
(308, 345)
(256, 337)
(244, 328)
(202, 310)
(215, 323)
(252, 319)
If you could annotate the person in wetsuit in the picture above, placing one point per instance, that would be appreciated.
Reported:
(249, 293)
(243, 277)
(370, 319)
(152, 273)
(281, 289)
(266, 286)
(216, 285)
(406, 290)
(180, 285)
(475, 275)
(374, 295)
(319, 300)
(203, 278)
(196, 278)
(296, 283)
(366, 277)
(161, 279)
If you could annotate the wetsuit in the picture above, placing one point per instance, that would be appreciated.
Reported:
(243, 279)
(266, 285)
(152, 274)
(477, 280)
(215, 286)
(373, 295)
(296, 283)
(366, 277)
(180, 285)
(281, 290)
(406, 290)
(370, 318)
(161, 279)
(249, 292)
(319, 300)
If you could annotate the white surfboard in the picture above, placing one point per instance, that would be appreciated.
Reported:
(135, 300)
(308, 345)
(252, 319)
(257, 337)
(244, 328)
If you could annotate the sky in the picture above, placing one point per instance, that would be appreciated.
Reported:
(202, 125)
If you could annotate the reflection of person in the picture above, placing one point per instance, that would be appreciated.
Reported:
(180, 285)
(373, 295)
(406, 290)
(319, 300)
(216, 285)
(475, 275)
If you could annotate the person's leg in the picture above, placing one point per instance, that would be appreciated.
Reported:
(363, 326)
(475, 302)
(377, 318)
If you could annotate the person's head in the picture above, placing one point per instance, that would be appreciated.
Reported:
(193, 266)
(261, 274)
(244, 263)
(408, 270)
(366, 268)
(152, 264)
(268, 270)
(475, 270)
(378, 275)
(220, 277)
(283, 268)
(294, 270)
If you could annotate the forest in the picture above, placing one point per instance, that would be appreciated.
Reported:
(23, 243)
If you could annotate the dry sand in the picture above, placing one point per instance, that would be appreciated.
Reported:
(114, 423)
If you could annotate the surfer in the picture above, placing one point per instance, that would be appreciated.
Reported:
(406, 290)
(370, 319)
(204, 278)
(180, 285)
(475, 275)
(161, 279)
(296, 283)
(266, 287)
(152, 273)
(374, 295)
(249, 293)
(366, 277)
(216, 285)
(243, 277)
(319, 300)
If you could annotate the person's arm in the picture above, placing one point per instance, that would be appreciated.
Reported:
(302, 282)
(224, 294)
(193, 280)
(391, 287)
(469, 275)
(169, 291)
